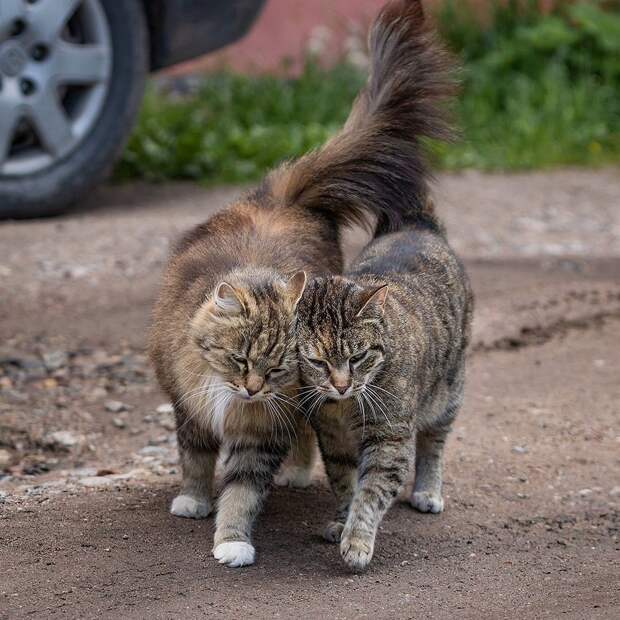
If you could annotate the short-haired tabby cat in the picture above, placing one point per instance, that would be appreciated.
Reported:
(222, 340)
(383, 348)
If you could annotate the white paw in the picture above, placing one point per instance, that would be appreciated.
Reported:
(235, 554)
(426, 502)
(191, 507)
(294, 476)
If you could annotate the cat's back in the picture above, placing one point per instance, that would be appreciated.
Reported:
(425, 276)
(408, 255)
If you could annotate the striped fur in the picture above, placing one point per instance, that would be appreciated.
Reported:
(226, 314)
(382, 350)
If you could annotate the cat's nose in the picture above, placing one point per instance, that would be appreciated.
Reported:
(341, 388)
(254, 384)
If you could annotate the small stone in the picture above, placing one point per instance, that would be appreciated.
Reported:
(13, 357)
(119, 422)
(168, 424)
(82, 472)
(53, 360)
(158, 441)
(105, 471)
(148, 418)
(585, 492)
(115, 406)
(3, 496)
(62, 440)
(96, 481)
(75, 272)
(165, 409)
(36, 469)
(6, 459)
(152, 451)
(405, 563)
(615, 492)
(96, 394)
(5, 383)
(125, 537)
(131, 475)
(49, 383)
(520, 449)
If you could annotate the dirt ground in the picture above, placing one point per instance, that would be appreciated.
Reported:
(532, 487)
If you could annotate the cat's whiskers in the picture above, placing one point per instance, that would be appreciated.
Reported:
(276, 415)
(285, 417)
(374, 386)
(371, 405)
(308, 402)
(279, 396)
(379, 402)
(308, 397)
(274, 426)
(360, 406)
(317, 404)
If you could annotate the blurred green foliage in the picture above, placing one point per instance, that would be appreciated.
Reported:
(236, 127)
(537, 91)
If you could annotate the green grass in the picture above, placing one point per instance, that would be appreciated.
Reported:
(537, 91)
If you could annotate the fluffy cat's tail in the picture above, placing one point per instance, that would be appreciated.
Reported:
(376, 166)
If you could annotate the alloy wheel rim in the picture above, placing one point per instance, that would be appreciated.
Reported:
(55, 67)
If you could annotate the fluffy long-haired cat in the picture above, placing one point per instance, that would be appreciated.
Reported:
(382, 349)
(223, 335)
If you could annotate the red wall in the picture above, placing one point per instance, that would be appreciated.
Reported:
(284, 30)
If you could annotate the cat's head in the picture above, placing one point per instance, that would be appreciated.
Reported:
(244, 336)
(340, 335)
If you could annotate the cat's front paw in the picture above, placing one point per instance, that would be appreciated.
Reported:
(333, 532)
(235, 554)
(356, 551)
(425, 501)
(294, 476)
(191, 507)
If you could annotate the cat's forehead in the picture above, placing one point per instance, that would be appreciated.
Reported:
(328, 303)
(267, 333)
(270, 343)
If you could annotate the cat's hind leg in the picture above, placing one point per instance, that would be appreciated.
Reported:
(426, 495)
(430, 442)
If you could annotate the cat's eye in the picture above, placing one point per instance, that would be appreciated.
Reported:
(276, 372)
(239, 359)
(358, 358)
(317, 363)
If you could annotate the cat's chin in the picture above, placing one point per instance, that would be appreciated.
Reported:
(340, 397)
(249, 399)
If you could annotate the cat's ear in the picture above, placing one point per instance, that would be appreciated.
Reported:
(295, 287)
(226, 300)
(372, 301)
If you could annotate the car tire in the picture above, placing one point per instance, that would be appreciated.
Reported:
(55, 188)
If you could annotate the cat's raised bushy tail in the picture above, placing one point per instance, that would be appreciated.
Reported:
(376, 166)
